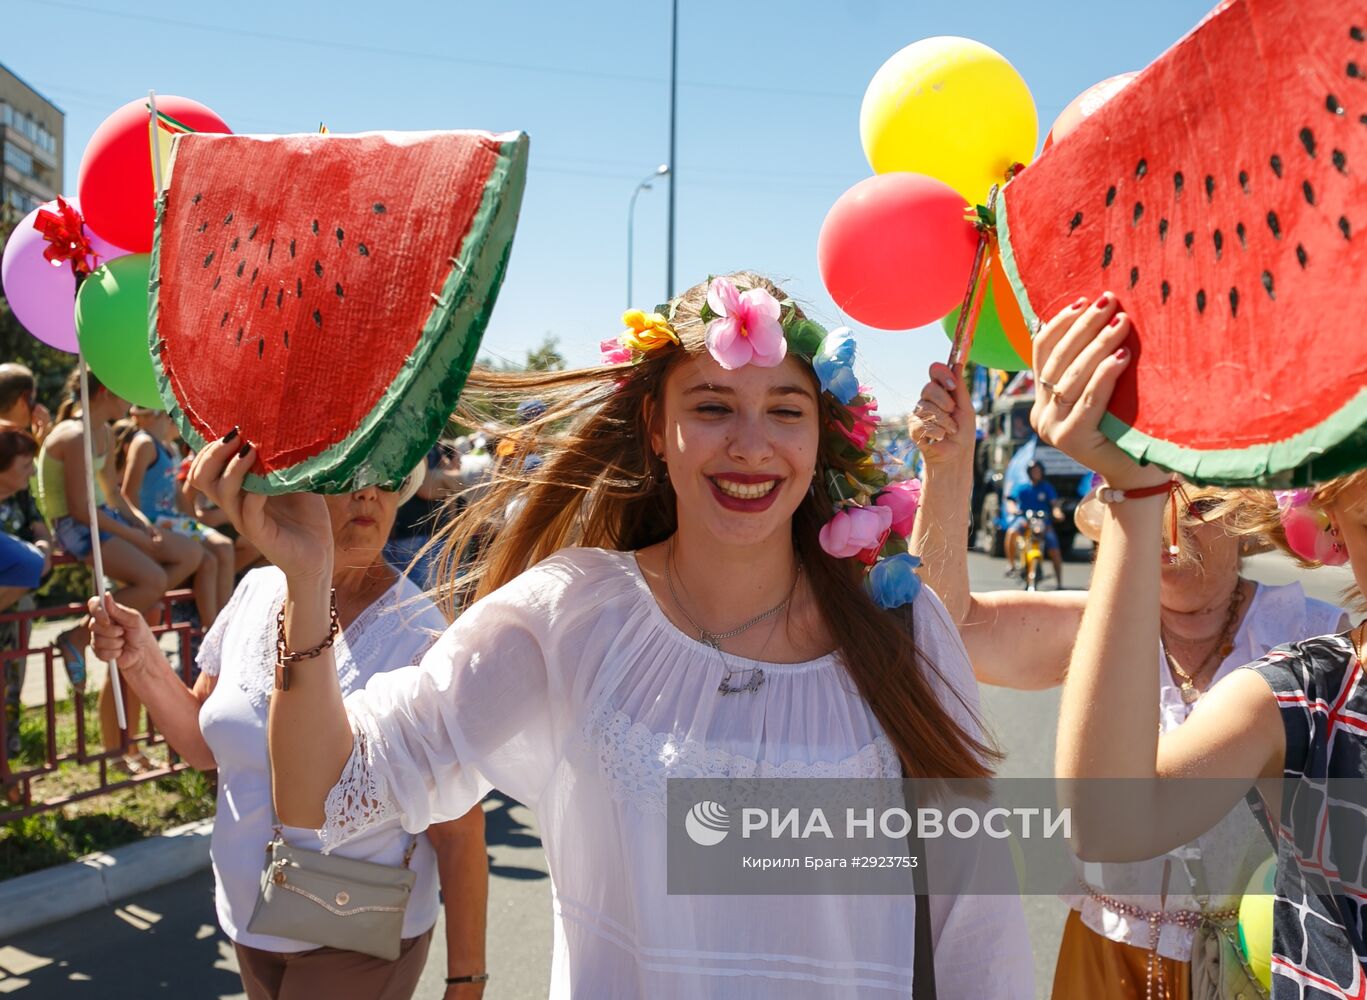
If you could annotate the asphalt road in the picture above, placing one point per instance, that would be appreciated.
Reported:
(166, 943)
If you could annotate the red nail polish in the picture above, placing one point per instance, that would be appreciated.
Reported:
(1115, 320)
(1122, 354)
(1103, 302)
(1082, 301)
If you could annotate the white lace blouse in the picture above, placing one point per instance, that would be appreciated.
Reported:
(570, 690)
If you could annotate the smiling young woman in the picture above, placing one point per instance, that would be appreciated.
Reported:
(697, 583)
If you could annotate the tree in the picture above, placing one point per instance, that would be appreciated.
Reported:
(545, 357)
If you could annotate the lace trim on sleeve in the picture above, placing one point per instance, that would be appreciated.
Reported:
(358, 802)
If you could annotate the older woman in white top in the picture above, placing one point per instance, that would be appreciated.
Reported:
(1213, 621)
(221, 723)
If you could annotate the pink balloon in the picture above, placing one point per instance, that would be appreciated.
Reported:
(43, 297)
(1086, 104)
(896, 250)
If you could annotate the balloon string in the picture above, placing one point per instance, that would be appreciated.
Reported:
(973, 295)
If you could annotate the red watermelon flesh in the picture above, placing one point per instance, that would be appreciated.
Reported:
(326, 294)
(1222, 196)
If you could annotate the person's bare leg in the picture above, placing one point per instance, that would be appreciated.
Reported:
(179, 556)
(144, 585)
(222, 550)
(1056, 557)
(206, 587)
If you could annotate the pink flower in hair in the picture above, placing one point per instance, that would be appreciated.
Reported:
(855, 530)
(865, 413)
(1307, 529)
(903, 499)
(614, 352)
(746, 330)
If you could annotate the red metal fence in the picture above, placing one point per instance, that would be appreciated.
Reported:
(24, 787)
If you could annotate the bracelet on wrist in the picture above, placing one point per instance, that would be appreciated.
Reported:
(478, 977)
(1171, 489)
(286, 657)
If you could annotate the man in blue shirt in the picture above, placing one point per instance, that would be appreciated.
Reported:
(1036, 495)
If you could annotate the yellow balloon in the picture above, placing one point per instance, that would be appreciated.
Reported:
(951, 108)
(1255, 922)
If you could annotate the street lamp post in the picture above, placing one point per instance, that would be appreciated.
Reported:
(660, 171)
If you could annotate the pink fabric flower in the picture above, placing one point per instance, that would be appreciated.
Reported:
(855, 530)
(902, 499)
(614, 352)
(865, 420)
(747, 329)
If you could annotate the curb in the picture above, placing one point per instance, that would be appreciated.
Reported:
(101, 879)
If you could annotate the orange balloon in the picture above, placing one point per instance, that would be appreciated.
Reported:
(1085, 105)
(1009, 310)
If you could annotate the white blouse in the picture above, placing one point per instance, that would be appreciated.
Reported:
(570, 690)
(240, 650)
(1231, 851)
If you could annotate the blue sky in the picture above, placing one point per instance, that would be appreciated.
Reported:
(768, 116)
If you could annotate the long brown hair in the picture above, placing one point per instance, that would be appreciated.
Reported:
(601, 485)
(70, 406)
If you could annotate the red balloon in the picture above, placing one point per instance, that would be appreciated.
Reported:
(896, 250)
(1084, 105)
(115, 181)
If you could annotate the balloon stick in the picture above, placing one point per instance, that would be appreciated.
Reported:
(156, 143)
(93, 510)
(974, 294)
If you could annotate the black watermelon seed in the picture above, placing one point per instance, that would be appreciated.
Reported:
(202, 226)
(1340, 161)
(291, 249)
(1234, 302)
(1110, 196)
(379, 208)
(318, 268)
(1138, 212)
(1162, 230)
(279, 298)
(1301, 256)
(270, 250)
(1276, 163)
(195, 199)
(1141, 168)
(261, 347)
(1167, 291)
(252, 234)
(363, 250)
(1308, 191)
(224, 321)
(1243, 181)
(209, 259)
(241, 266)
(1219, 240)
(318, 318)
(299, 287)
(1332, 105)
(1210, 187)
(264, 292)
(1134, 276)
(315, 227)
(1355, 33)
(1177, 181)
(338, 289)
(239, 335)
(1074, 222)
(1354, 71)
(1201, 301)
(1274, 224)
(233, 245)
(1308, 141)
(255, 272)
(228, 218)
(1362, 119)
(1188, 241)
(1267, 285)
(339, 235)
(1106, 255)
(217, 280)
(287, 338)
(1345, 228)
(1243, 235)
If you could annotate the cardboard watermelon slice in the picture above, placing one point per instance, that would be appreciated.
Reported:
(1222, 196)
(327, 293)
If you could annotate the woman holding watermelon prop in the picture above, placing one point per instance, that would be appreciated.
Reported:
(675, 597)
(1296, 713)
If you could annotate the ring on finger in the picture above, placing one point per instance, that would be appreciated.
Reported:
(1054, 391)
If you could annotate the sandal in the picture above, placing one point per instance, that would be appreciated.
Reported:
(72, 659)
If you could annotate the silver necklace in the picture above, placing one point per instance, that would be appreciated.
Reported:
(714, 639)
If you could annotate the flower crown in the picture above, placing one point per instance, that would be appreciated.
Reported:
(871, 517)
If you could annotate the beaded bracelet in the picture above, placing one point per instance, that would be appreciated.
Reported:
(284, 657)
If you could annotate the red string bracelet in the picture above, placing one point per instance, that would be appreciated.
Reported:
(1172, 487)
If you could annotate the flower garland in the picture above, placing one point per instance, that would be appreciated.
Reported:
(871, 517)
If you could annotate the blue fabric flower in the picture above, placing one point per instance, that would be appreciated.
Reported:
(834, 365)
(893, 581)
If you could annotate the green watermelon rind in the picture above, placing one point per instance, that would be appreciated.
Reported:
(1337, 441)
(389, 442)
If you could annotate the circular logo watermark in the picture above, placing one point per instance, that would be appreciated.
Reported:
(707, 823)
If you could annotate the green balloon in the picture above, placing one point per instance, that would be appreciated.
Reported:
(990, 347)
(111, 327)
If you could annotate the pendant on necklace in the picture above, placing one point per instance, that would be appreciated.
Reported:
(749, 687)
(1189, 692)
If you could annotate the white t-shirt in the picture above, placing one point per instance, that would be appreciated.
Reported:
(570, 690)
(1230, 851)
(240, 651)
